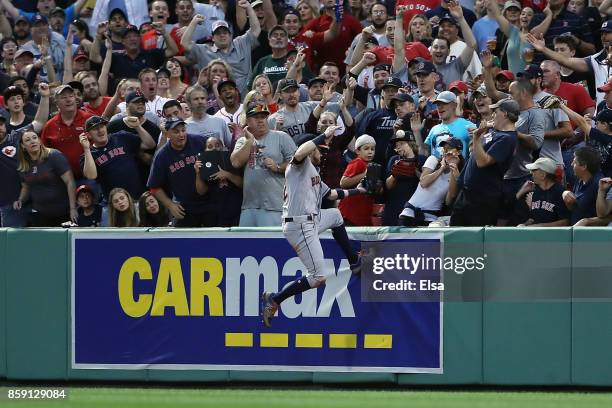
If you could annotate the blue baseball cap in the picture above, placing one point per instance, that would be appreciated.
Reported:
(38, 18)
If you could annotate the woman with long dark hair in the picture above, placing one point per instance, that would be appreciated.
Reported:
(46, 179)
(152, 212)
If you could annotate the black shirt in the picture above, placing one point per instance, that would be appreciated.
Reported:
(547, 205)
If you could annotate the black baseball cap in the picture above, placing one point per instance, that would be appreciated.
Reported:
(130, 29)
(94, 122)
(604, 116)
(288, 84)
(531, 71)
(401, 97)
(163, 70)
(173, 122)
(453, 142)
(57, 10)
(382, 67)
(135, 96)
(316, 80)
(393, 82)
(115, 11)
(221, 84)
(449, 18)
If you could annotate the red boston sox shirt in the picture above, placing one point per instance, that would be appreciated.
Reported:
(358, 208)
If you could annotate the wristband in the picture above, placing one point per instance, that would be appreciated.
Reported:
(347, 193)
(319, 140)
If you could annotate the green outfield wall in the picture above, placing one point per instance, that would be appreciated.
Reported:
(540, 313)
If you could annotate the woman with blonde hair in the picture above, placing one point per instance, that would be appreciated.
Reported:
(263, 85)
(217, 70)
(307, 10)
(46, 179)
(121, 209)
(419, 28)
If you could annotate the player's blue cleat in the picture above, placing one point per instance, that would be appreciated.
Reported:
(356, 267)
(268, 308)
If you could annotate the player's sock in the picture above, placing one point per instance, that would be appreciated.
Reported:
(341, 237)
(295, 287)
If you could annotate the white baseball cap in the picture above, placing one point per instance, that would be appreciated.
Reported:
(545, 164)
(446, 97)
(363, 140)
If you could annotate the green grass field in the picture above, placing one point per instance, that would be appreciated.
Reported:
(82, 397)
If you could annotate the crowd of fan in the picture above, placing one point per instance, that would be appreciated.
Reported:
(481, 113)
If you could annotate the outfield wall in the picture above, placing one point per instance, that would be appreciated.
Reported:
(531, 317)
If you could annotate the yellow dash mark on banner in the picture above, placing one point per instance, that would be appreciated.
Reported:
(238, 339)
(379, 341)
(309, 340)
(274, 340)
(342, 341)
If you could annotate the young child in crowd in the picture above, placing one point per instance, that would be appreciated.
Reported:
(90, 213)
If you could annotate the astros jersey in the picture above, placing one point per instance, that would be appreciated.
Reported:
(304, 189)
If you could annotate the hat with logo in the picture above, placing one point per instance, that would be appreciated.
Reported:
(94, 122)
(604, 116)
(83, 188)
(425, 67)
(38, 18)
(452, 142)
(393, 82)
(57, 10)
(173, 122)
(545, 164)
(459, 85)
(606, 27)
(289, 84)
(316, 80)
(446, 97)
(510, 4)
(255, 109)
(531, 71)
(130, 29)
(220, 24)
(135, 96)
(449, 18)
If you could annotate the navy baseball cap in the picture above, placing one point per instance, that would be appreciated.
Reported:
(531, 71)
(288, 84)
(173, 122)
(452, 142)
(38, 18)
(450, 19)
(115, 11)
(382, 67)
(130, 29)
(401, 97)
(316, 80)
(425, 67)
(4, 116)
(393, 82)
(606, 27)
(604, 116)
(57, 10)
(94, 122)
(135, 96)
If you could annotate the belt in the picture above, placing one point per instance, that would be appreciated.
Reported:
(300, 218)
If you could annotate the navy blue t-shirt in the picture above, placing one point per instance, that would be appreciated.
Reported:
(602, 142)
(10, 183)
(404, 189)
(547, 205)
(92, 220)
(116, 164)
(488, 180)
(173, 171)
(379, 124)
(586, 197)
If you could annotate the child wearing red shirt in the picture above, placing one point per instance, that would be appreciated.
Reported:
(357, 210)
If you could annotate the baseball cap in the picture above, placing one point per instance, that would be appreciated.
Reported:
(80, 54)
(363, 140)
(83, 188)
(606, 87)
(414, 50)
(453, 142)
(21, 51)
(288, 84)
(61, 89)
(511, 3)
(221, 84)
(291, 10)
(21, 18)
(277, 28)
(57, 10)
(115, 11)
(482, 90)
(255, 3)
(449, 18)
(606, 27)
(76, 86)
(130, 29)
(425, 67)
(446, 97)
(506, 74)
(604, 116)
(38, 18)
(316, 80)
(401, 97)
(393, 82)
(507, 105)
(173, 122)
(460, 85)
(545, 164)
(382, 67)
(135, 96)
(4, 116)
(255, 109)
(531, 71)
(220, 24)
(94, 122)
(163, 70)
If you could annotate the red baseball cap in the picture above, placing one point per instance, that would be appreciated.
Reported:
(460, 85)
(384, 55)
(506, 74)
(606, 87)
(414, 50)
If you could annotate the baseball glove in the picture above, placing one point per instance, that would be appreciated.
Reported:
(372, 181)
(403, 168)
(550, 102)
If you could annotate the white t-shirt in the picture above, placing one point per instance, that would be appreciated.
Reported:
(431, 197)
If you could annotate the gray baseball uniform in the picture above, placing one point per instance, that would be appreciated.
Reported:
(303, 218)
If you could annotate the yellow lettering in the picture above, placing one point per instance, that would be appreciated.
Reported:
(132, 266)
(201, 288)
(170, 272)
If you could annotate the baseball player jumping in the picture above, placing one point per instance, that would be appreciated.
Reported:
(304, 220)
